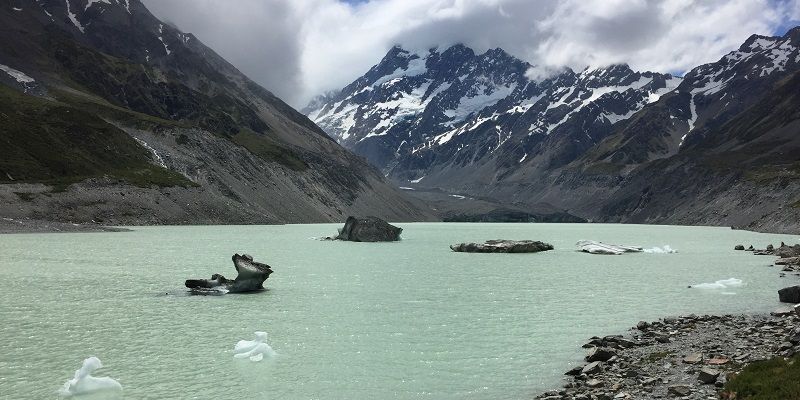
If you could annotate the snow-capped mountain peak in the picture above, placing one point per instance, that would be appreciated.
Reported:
(411, 102)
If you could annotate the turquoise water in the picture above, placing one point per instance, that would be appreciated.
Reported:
(406, 320)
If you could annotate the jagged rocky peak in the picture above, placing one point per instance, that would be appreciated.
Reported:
(410, 103)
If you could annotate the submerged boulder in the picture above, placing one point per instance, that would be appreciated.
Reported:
(595, 247)
(369, 229)
(250, 278)
(503, 246)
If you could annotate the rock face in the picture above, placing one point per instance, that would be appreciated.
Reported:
(790, 294)
(250, 279)
(369, 229)
(503, 246)
(594, 247)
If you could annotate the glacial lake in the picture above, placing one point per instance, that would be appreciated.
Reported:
(405, 320)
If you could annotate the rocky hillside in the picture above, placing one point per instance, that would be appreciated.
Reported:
(609, 144)
(112, 116)
(720, 149)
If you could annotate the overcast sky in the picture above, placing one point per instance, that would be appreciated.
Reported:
(301, 48)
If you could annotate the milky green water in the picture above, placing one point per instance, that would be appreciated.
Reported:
(406, 320)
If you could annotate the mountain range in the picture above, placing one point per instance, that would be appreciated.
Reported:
(717, 146)
(113, 116)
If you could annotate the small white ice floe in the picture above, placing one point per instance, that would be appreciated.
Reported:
(661, 250)
(85, 384)
(255, 350)
(720, 284)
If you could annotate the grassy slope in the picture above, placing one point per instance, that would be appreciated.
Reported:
(53, 142)
(775, 379)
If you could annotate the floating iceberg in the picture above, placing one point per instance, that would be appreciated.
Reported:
(85, 384)
(594, 247)
(720, 284)
(661, 250)
(255, 350)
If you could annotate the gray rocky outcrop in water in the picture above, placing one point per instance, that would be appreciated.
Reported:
(503, 246)
(250, 278)
(369, 229)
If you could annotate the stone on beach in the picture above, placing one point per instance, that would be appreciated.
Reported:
(708, 375)
(592, 368)
(503, 246)
(679, 390)
(694, 358)
(600, 354)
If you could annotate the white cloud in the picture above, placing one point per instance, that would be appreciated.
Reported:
(299, 48)
(539, 73)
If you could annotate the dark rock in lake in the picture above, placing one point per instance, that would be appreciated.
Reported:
(369, 229)
(739, 247)
(251, 278)
(503, 246)
(790, 294)
(751, 248)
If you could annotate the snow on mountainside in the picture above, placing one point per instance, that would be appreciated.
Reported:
(446, 101)
(709, 96)
(718, 146)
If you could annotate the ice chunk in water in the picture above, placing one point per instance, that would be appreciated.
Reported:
(661, 250)
(720, 284)
(255, 350)
(85, 384)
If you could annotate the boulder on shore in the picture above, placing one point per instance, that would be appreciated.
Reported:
(739, 247)
(251, 278)
(789, 294)
(502, 246)
(369, 229)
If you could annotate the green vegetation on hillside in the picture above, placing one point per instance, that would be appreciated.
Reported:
(268, 150)
(140, 88)
(52, 142)
(775, 379)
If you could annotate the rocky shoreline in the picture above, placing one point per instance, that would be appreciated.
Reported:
(27, 225)
(687, 357)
